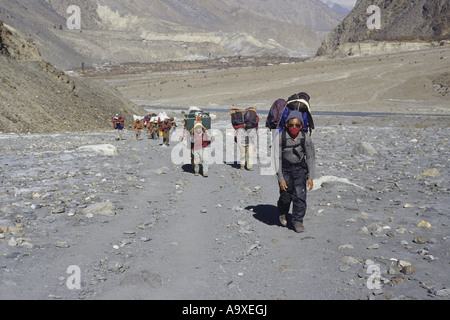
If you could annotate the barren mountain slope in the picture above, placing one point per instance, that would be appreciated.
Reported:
(35, 97)
(311, 14)
(148, 31)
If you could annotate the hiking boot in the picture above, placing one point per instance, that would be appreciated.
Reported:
(299, 228)
(283, 220)
(196, 174)
(205, 175)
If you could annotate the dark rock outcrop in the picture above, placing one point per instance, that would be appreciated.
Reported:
(415, 20)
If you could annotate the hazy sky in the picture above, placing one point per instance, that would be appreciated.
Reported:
(349, 3)
(346, 3)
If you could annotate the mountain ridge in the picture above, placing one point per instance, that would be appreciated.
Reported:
(127, 29)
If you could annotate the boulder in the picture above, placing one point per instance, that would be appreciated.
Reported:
(101, 149)
(104, 209)
(322, 181)
(431, 173)
(364, 148)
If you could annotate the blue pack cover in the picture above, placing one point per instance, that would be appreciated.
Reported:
(285, 115)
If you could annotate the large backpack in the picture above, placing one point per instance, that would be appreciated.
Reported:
(275, 113)
(237, 118)
(299, 102)
(247, 118)
(251, 118)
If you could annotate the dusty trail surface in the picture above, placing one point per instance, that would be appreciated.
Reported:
(168, 234)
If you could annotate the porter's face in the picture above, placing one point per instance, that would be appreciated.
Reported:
(294, 124)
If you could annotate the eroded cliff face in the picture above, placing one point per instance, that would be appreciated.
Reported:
(399, 21)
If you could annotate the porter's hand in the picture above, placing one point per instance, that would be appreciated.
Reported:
(283, 186)
(310, 184)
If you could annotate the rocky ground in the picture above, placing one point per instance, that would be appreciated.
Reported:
(139, 227)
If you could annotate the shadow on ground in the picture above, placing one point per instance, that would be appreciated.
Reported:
(265, 213)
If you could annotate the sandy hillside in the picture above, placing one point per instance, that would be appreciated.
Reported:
(36, 97)
(406, 82)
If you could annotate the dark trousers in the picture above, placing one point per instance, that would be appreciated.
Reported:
(295, 177)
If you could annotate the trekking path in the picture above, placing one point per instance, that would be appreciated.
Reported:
(178, 236)
(219, 238)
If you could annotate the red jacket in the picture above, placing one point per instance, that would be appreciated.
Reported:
(165, 126)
